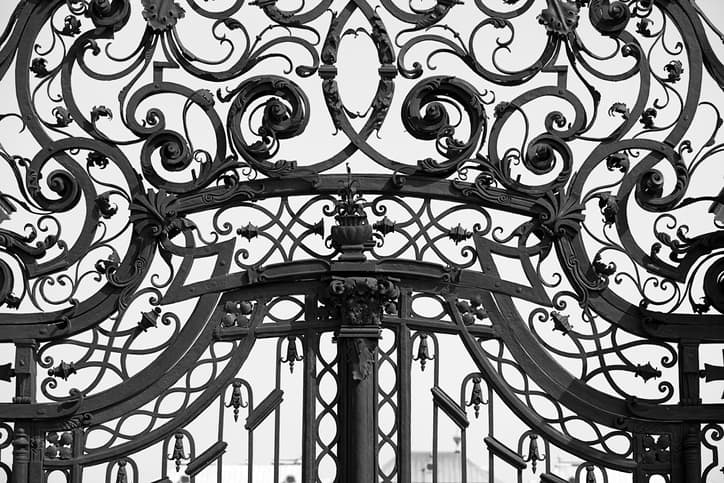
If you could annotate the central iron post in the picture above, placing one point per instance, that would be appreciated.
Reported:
(358, 303)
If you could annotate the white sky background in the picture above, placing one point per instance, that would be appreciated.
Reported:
(358, 79)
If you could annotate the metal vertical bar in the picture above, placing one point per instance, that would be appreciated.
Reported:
(376, 409)
(463, 439)
(404, 365)
(36, 472)
(358, 442)
(463, 455)
(220, 437)
(692, 454)
(343, 416)
(21, 455)
(491, 433)
(250, 441)
(689, 378)
(310, 344)
(250, 458)
(25, 371)
(689, 395)
(359, 303)
(435, 409)
(76, 471)
(277, 411)
(27, 464)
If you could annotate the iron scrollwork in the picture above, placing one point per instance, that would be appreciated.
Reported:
(161, 219)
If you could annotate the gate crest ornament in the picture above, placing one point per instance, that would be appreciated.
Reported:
(531, 209)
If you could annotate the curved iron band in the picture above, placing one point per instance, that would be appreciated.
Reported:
(469, 334)
(712, 63)
(543, 378)
(551, 377)
(547, 373)
(183, 417)
(641, 322)
(109, 403)
(45, 326)
(630, 415)
(134, 392)
(24, 12)
(396, 185)
(536, 362)
(427, 276)
(646, 323)
(534, 359)
(63, 323)
(632, 318)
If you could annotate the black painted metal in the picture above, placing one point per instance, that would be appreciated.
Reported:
(328, 259)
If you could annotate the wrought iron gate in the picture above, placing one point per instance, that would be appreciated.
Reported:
(548, 220)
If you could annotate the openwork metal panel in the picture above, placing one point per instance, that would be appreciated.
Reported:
(354, 241)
